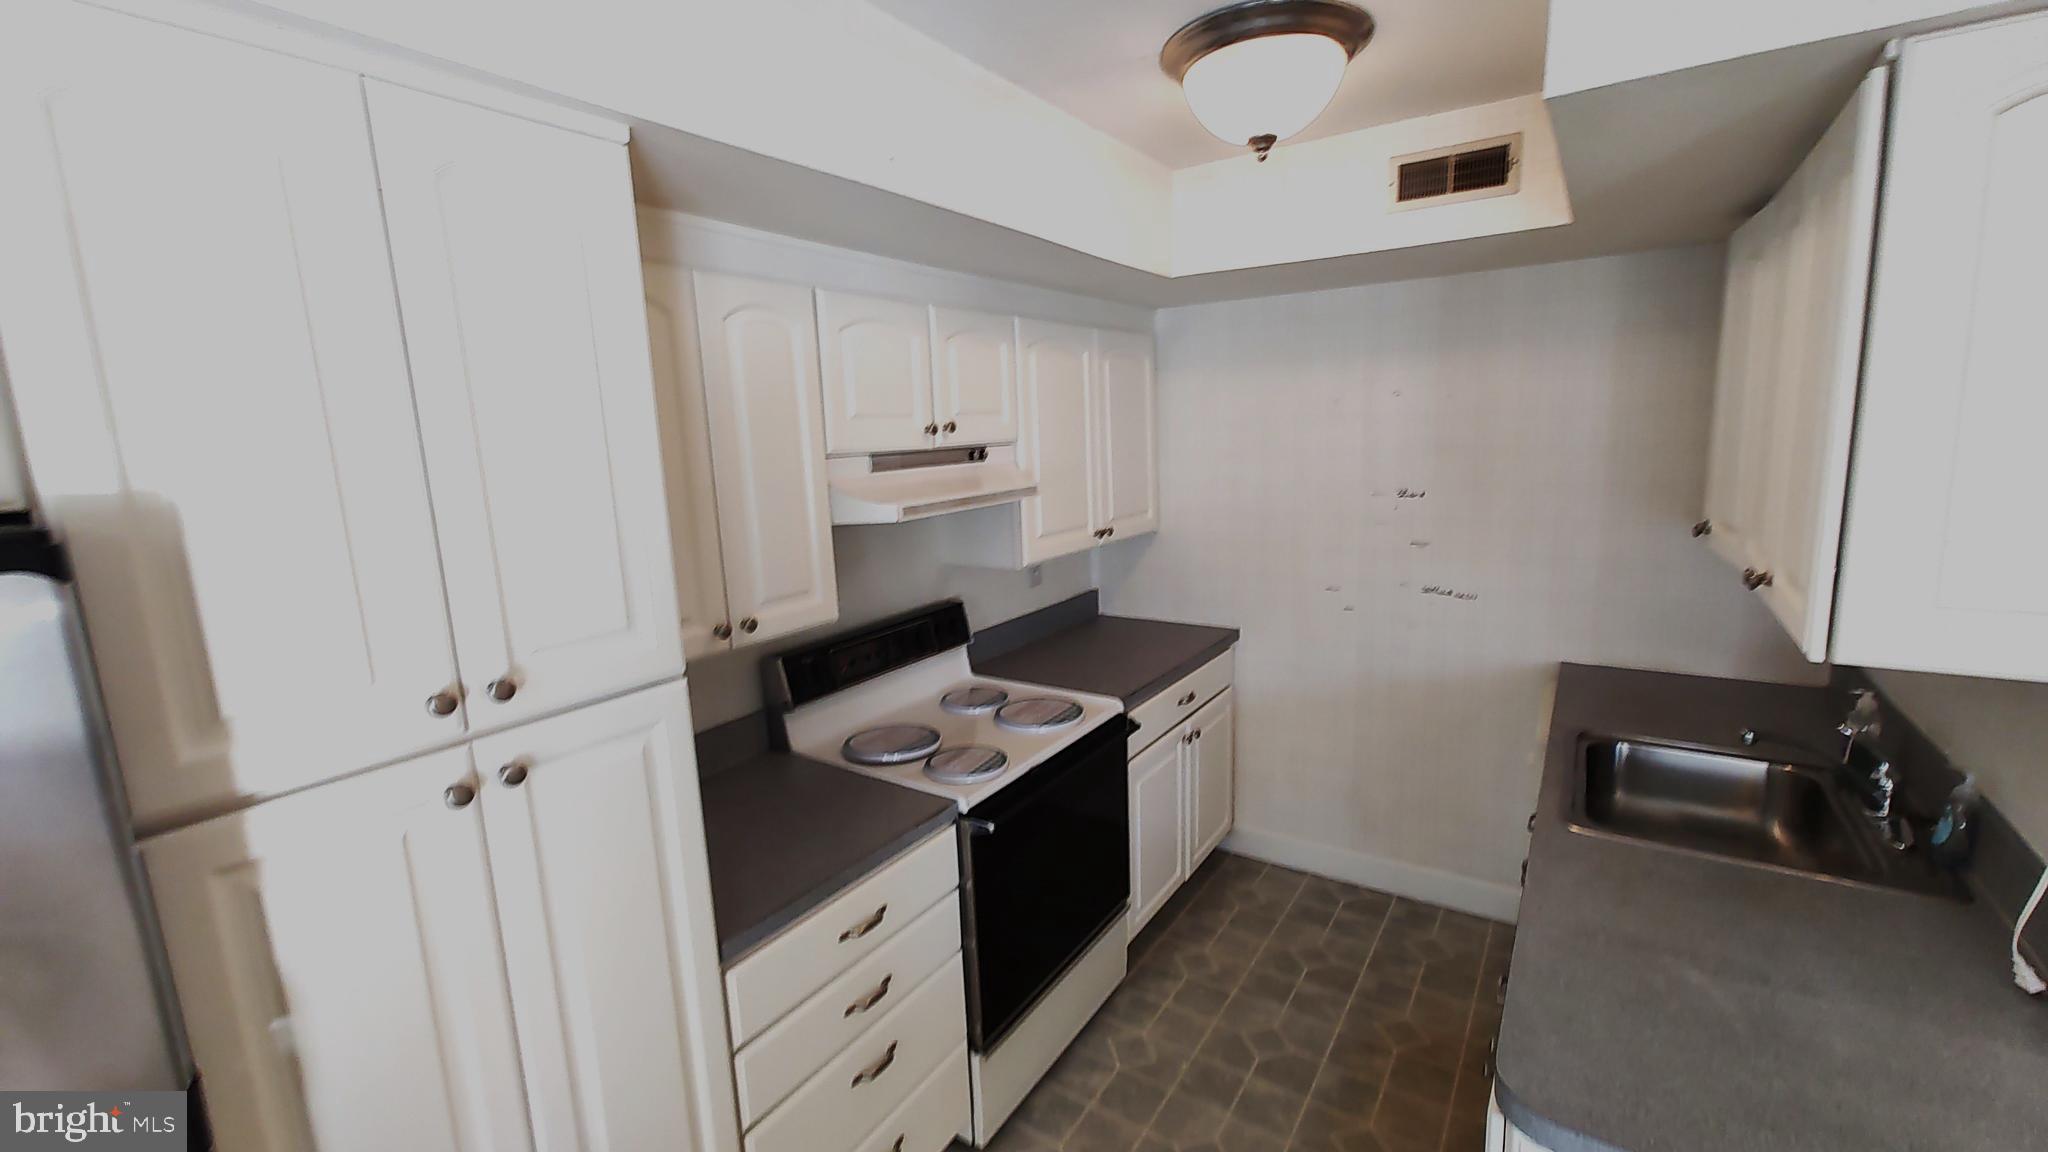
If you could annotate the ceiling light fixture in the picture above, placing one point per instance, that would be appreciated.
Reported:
(1258, 72)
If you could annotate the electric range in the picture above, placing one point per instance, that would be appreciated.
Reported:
(1040, 777)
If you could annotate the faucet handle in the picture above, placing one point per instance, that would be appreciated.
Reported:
(1865, 718)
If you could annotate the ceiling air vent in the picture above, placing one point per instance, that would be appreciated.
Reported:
(1462, 172)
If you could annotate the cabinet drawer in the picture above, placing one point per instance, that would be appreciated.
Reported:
(785, 1055)
(934, 1114)
(785, 971)
(1162, 713)
(865, 1083)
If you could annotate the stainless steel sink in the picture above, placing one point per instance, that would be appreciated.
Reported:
(1791, 817)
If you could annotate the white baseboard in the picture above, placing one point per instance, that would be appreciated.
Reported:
(1429, 885)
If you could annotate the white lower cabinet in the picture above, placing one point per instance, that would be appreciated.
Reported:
(1212, 777)
(337, 957)
(1183, 786)
(851, 1025)
(1502, 1136)
(506, 945)
(1158, 802)
(597, 855)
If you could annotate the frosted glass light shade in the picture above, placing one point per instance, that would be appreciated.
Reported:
(1269, 85)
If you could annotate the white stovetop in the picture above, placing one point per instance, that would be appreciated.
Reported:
(911, 696)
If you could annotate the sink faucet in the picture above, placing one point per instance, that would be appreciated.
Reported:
(1861, 756)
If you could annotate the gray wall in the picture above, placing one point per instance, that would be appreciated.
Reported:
(13, 476)
(1548, 427)
(885, 569)
(1997, 729)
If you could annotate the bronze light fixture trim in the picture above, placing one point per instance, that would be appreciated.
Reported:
(1347, 26)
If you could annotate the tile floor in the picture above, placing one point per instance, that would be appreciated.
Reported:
(1272, 1011)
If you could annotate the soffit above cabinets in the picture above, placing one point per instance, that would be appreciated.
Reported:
(838, 121)
(1099, 62)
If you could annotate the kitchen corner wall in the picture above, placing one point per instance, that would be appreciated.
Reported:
(1997, 729)
(882, 569)
(1415, 499)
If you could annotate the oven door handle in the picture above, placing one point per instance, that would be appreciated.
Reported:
(976, 826)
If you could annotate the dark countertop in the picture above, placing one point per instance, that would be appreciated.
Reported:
(1664, 1002)
(786, 834)
(1120, 656)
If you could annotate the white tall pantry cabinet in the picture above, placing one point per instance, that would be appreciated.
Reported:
(340, 393)
(518, 267)
(202, 340)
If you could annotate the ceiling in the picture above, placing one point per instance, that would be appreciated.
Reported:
(1098, 60)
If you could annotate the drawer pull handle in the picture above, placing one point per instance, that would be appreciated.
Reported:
(871, 999)
(898, 1145)
(866, 926)
(874, 1071)
(1185, 700)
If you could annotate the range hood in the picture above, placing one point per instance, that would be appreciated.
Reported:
(890, 488)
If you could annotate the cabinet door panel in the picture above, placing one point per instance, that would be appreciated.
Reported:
(1127, 439)
(1056, 441)
(597, 847)
(1213, 780)
(1942, 569)
(760, 345)
(1158, 835)
(1831, 203)
(203, 344)
(876, 357)
(337, 956)
(974, 376)
(518, 269)
(686, 440)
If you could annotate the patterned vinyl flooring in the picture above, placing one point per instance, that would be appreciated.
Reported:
(1272, 1011)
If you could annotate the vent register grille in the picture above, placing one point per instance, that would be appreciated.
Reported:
(1485, 169)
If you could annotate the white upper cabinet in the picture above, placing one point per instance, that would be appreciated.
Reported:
(1127, 484)
(518, 268)
(686, 444)
(597, 859)
(760, 362)
(974, 377)
(877, 367)
(1056, 441)
(1944, 565)
(1790, 356)
(902, 377)
(338, 947)
(204, 347)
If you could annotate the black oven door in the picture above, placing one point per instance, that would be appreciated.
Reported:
(1046, 867)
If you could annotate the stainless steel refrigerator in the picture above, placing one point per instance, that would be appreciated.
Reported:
(85, 1000)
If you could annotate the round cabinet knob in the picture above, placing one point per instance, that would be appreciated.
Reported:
(513, 775)
(458, 795)
(444, 702)
(1753, 579)
(1109, 531)
(1703, 528)
(749, 624)
(950, 427)
(931, 429)
(503, 688)
(721, 631)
